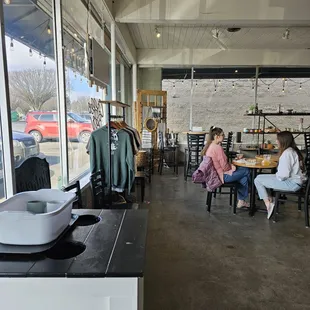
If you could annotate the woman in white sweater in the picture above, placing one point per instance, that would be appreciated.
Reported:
(290, 171)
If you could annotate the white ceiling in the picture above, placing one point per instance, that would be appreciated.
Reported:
(199, 36)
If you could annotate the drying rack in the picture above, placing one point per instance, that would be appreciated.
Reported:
(116, 104)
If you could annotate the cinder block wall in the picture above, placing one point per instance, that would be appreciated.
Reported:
(226, 106)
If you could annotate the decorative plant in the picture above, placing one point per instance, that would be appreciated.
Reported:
(252, 107)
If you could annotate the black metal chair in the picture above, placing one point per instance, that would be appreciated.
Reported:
(97, 188)
(233, 189)
(78, 203)
(227, 144)
(195, 144)
(33, 174)
(303, 193)
(167, 155)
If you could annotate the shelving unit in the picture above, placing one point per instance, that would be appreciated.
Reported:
(263, 118)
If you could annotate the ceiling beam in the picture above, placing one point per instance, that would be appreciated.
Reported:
(215, 12)
(216, 58)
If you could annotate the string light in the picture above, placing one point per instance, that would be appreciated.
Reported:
(233, 85)
(283, 90)
(219, 81)
(40, 55)
(30, 52)
(300, 86)
(268, 88)
(157, 33)
(12, 45)
(215, 89)
(44, 62)
(49, 30)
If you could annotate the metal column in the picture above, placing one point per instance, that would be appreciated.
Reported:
(134, 90)
(113, 66)
(61, 89)
(5, 113)
(255, 99)
(191, 101)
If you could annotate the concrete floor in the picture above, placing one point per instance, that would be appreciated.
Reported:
(197, 260)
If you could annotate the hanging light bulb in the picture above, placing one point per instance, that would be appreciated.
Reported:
(157, 33)
(173, 85)
(72, 50)
(75, 35)
(283, 90)
(219, 81)
(40, 55)
(268, 88)
(81, 80)
(215, 89)
(49, 30)
(233, 85)
(12, 45)
(30, 52)
(44, 62)
(300, 86)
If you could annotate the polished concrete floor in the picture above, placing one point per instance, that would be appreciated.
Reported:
(197, 260)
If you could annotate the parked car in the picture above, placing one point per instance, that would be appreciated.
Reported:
(44, 125)
(87, 116)
(24, 146)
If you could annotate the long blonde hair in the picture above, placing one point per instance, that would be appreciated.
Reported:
(214, 131)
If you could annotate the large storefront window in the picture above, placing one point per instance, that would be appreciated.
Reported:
(80, 89)
(32, 82)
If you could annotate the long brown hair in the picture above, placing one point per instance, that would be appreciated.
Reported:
(286, 140)
(214, 131)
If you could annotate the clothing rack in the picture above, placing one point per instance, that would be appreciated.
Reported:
(116, 104)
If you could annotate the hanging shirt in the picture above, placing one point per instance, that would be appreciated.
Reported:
(122, 163)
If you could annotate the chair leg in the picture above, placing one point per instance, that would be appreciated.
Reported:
(306, 208)
(142, 189)
(220, 190)
(214, 195)
(276, 207)
(235, 199)
(230, 196)
(209, 201)
(299, 203)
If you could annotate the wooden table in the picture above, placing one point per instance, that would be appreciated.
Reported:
(108, 275)
(253, 171)
(274, 158)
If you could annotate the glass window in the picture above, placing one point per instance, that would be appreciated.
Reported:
(79, 88)
(47, 117)
(32, 80)
(2, 188)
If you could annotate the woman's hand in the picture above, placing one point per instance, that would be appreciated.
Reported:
(233, 167)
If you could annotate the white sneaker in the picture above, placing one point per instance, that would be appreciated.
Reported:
(270, 210)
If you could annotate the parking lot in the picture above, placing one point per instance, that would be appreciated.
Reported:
(78, 158)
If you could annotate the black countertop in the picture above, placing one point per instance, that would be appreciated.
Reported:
(115, 247)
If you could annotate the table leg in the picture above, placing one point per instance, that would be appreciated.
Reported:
(252, 196)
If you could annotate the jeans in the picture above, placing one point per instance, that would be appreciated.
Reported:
(264, 181)
(242, 176)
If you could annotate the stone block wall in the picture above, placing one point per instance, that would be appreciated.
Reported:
(223, 103)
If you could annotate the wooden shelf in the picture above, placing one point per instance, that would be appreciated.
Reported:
(280, 114)
(115, 103)
(274, 133)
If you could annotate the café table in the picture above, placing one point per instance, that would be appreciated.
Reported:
(253, 170)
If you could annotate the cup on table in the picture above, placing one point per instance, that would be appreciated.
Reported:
(53, 205)
(267, 159)
(36, 206)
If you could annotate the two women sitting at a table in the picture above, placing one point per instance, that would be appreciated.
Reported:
(226, 171)
(289, 176)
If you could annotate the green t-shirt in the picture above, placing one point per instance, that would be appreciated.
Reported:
(123, 166)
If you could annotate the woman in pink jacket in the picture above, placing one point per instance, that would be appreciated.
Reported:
(226, 171)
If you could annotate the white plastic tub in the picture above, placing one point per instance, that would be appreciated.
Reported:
(19, 227)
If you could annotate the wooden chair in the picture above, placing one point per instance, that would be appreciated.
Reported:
(78, 203)
(33, 174)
